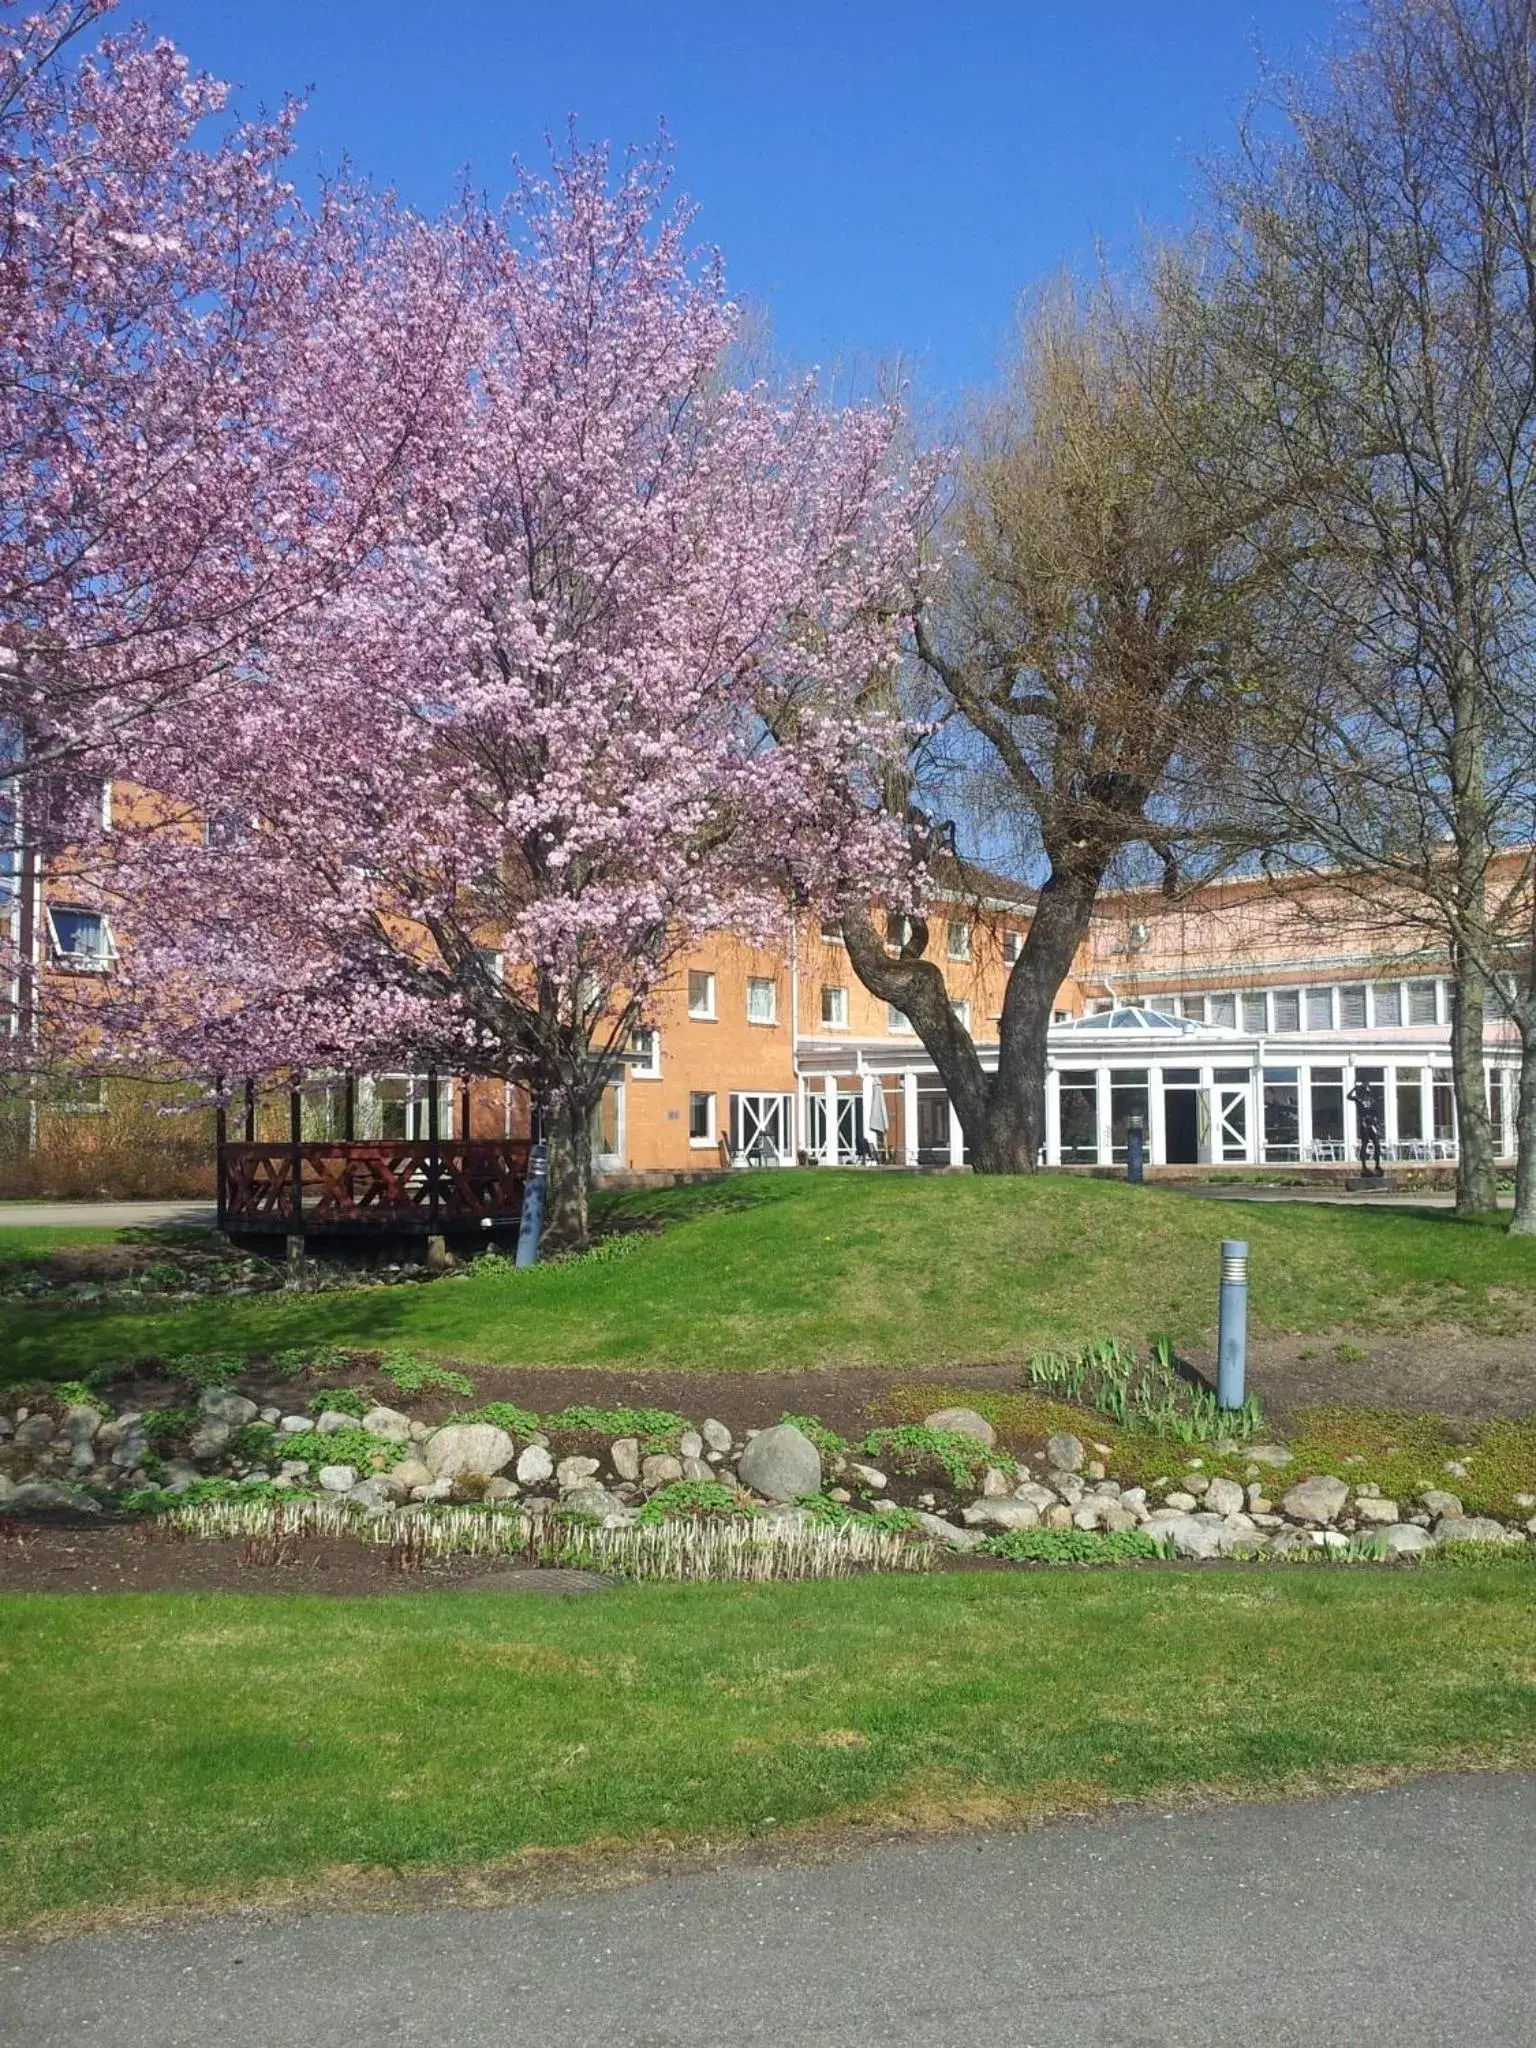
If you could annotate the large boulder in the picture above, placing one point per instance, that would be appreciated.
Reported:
(1437, 1502)
(467, 1450)
(781, 1463)
(1268, 1454)
(80, 1422)
(1226, 1497)
(962, 1422)
(1315, 1500)
(946, 1532)
(1474, 1529)
(224, 1406)
(388, 1423)
(1404, 1540)
(52, 1493)
(1064, 1452)
(1001, 1514)
(535, 1466)
(1184, 1534)
(36, 1431)
(597, 1504)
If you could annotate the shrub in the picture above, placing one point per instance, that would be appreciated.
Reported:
(341, 1401)
(359, 1447)
(657, 1428)
(408, 1374)
(1072, 1546)
(521, 1422)
(910, 1445)
(163, 1426)
(697, 1500)
(75, 1394)
(201, 1370)
(251, 1441)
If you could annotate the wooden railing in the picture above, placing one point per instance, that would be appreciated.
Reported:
(347, 1187)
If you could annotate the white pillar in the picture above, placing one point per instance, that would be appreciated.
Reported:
(909, 1115)
(956, 1139)
(1157, 1125)
(1052, 1116)
(1105, 1133)
(829, 1134)
(1304, 1111)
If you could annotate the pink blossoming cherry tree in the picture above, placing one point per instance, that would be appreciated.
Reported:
(623, 684)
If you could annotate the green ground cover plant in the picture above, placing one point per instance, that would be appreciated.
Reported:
(165, 1746)
(778, 1271)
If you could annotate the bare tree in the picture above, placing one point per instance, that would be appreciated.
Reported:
(1083, 653)
(1380, 324)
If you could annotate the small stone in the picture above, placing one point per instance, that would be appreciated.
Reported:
(1003, 1514)
(716, 1435)
(1403, 1540)
(1117, 1520)
(946, 1532)
(1225, 1497)
(1369, 1490)
(388, 1423)
(1040, 1498)
(1437, 1503)
(295, 1425)
(1058, 1517)
(82, 1458)
(499, 1487)
(870, 1476)
(1181, 1503)
(1269, 1454)
(690, 1444)
(338, 1478)
(1196, 1484)
(80, 1423)
(575, 1471)
(1474, 1529)
(962, 1422)
(661, 1470)
(435, 1489)
(36, 1431)
(624, 1456)
(293, 1471)
(996, 1484)
(1088, 1515)
(1064, 1451)
(697, 1468)
(536, 1465)
(1184, 1535)
(1319, 1499)
(329, 1420)
(271, 1415)
(420, 1431)
(1455, 1467)
(1375, 1511)
(225, 1406)
(839, 1494)
(1525, 1500)
(781, 1464)
(1096, 1468)
(597, 1505)
(130, 1450)
(468, 1450)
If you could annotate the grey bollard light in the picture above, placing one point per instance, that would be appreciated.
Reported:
(1135, 1150)
(530, 1225)
(1232, 1341)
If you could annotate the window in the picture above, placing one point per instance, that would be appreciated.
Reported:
(831, 931)
(1061, 1016)
(762, 1000)
(1192, 1007)
(1319, 1009)
(701, 993)
(1421, 1002)
(1287, 1009)
(1101, 1006)
(1387, 1005)
(493, 965)
(1223, 1011)
(1282, 1113)
(896, 1019)
(1443, 1105)
(83, 938)
(1351, 1009)
(645, 1053)
(1128, 1097)
(1013, 946)
(1328, 1105)
(1410, 1104)
(1255, 1010)
(1080, 1117)
(957, 940)
(962, 1010)
(834, 1008)
(225, 830)
(701, 1119)
(897, 931)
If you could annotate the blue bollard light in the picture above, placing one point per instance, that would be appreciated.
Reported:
(1232, 1341)
(530, 1223)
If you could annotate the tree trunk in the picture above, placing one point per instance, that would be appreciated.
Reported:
(1476, 1180)
(1523, 1222)
(1002, 1114)
(569, 1131)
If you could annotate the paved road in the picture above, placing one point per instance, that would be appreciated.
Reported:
(105, 1215)
(1404, 1917)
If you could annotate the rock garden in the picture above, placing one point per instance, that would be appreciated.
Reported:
(1098, 1458)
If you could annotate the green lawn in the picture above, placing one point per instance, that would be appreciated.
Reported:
(816, 1269)
(160, 1747)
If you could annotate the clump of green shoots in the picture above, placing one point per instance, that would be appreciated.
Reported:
(1147, 1394)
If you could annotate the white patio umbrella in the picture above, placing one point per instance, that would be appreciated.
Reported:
(876, 1121)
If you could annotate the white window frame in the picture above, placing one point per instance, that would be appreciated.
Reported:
(1299, 996)
(898, 1023)
(1013, 946)
(648, 1069)
(1222, 996)
(708, 1143)
(957, 938)
(756, 983)
(1245, 996)
(839, 1022)
(703, 1011)
(1333, 1009)
(1422, 1023)
(961, 1005)
(832, 932)
(81, 963)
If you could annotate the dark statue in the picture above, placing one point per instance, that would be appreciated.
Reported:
(1368, 1123)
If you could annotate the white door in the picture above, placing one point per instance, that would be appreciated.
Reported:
(1231, 1120)
(762, 1131)
(850, 1126)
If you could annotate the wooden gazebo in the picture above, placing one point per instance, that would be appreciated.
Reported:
(365, 1188)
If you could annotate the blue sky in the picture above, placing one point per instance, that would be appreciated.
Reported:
(883, 178)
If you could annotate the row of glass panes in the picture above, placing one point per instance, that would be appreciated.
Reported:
(1349, 1007)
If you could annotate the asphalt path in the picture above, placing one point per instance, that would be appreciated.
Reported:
(1405, 1917)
